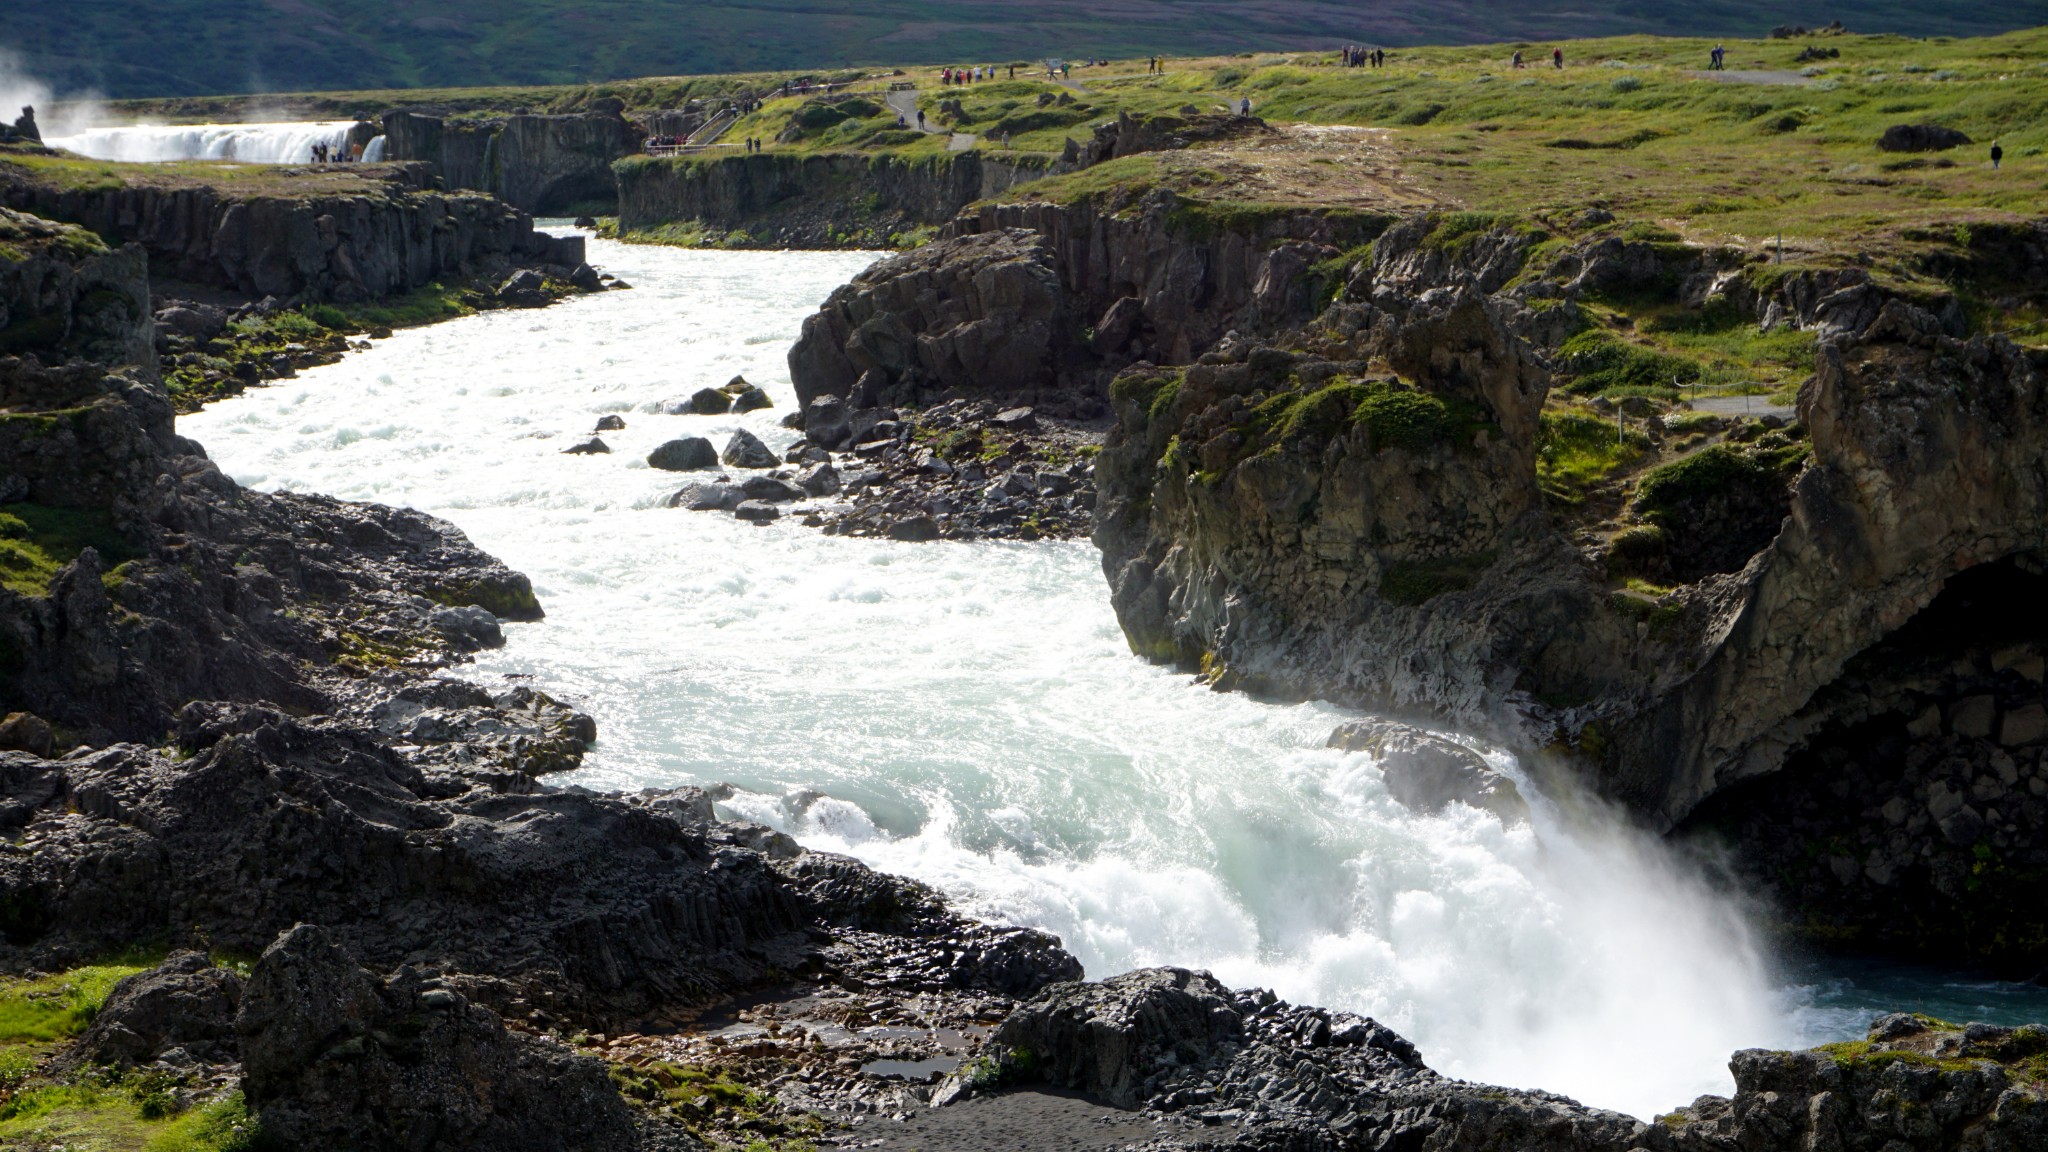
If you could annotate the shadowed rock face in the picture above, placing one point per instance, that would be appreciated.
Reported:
(1042, 304)
(984, 313)
(537, 164)
(334, 1058)
(345, 249)
(1260, 1073)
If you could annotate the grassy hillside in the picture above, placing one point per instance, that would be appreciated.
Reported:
(142, 48)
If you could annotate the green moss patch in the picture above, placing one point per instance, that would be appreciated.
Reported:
(1393, 414)
(37, 540)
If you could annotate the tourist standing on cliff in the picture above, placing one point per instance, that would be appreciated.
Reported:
(1997, 156)
(1518, 58)
(1557, 58)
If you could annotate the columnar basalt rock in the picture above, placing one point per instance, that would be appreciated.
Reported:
(316, 247)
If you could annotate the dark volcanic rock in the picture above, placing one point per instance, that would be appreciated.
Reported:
(185, 1002)
(757, 511)
(334, 1058)
(611, 423)
(685, 455)
(751, 399)
(710, 402)
(590, 447)
(745, 450)
(708, 497)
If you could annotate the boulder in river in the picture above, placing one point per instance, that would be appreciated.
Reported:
(709, 402)
(820, 479)
(525, 288)
(612, 423)
(745, 450)
(770, 488)
(916, 529)
(590, 447)
(1424, 773)
(757, 511)
(684, 455)
(468, 627)
(752, 399)
(735, 386)
(708, 498)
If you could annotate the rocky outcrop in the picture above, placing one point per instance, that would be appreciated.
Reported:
(335, 1058)
(536, 163)
(830, 200)
(1042, 303)
(1179, 1044)
(391, 238)
(186, 1004)
(1289, 522)
(1426, 773)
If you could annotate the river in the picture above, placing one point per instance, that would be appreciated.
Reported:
(968, 714)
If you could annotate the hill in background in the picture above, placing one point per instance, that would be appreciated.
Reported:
(139, 48)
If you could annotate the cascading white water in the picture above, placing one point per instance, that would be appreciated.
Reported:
(276, 143)
(970, 715)
(373, 152)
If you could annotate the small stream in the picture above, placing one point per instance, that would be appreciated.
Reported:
(969, 714)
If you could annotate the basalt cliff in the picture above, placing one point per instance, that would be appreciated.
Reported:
(1340, 469)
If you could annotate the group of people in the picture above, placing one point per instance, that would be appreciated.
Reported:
(972, 75)
(1354, 56)
(1717, 60)
(1556, 58)
(1157, 67)
(325, 153)
(753, 143)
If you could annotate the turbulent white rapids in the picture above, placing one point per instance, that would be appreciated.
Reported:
(970, 715)
(281, 143)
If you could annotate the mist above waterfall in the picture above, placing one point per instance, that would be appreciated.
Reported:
(56, 113)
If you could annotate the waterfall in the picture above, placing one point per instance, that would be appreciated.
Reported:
(374, 150)
(276, 143)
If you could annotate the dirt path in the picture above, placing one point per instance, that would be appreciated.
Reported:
(904, 102)
(1754, 76)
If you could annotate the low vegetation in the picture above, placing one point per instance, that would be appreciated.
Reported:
(36, 540)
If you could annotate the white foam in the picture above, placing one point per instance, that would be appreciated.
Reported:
(969, 714)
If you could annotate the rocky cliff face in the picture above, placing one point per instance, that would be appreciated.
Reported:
(313, 247)
(1286, 520)
(539, 164)
(1027, 299)
(813, 200)
(1323, 481)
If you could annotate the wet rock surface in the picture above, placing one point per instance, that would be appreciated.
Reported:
(1424, 772)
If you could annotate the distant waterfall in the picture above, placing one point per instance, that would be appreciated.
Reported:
(374, 150)
(283, 143)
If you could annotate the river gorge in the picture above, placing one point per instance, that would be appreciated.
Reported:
(969, 714)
